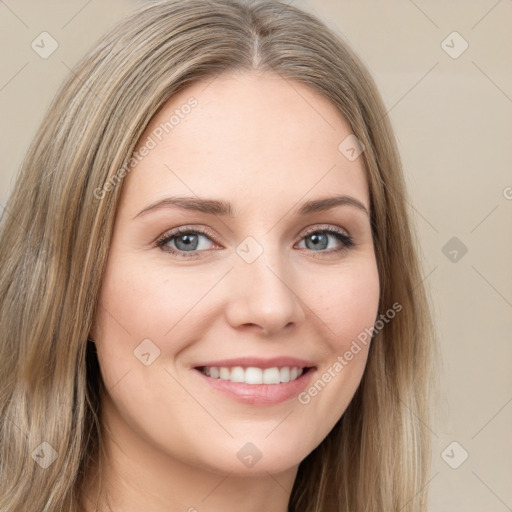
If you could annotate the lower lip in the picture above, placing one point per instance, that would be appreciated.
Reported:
(262, 394)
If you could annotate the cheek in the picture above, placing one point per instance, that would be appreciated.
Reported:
(347, 301)
(347, 307)
(147, 302)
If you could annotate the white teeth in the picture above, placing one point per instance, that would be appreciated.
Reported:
(237, 374)
(271, 376)
(254, 375)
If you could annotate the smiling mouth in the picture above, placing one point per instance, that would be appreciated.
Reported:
(254, 375)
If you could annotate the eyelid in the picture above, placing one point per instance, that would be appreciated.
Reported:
(171, 233)
(324, 227)
(205, 231)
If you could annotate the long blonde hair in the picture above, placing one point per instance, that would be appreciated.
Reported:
(55, 237)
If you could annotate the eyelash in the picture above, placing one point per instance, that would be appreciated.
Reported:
(337, 233)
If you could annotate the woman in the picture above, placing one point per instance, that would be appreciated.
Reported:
(210, 292)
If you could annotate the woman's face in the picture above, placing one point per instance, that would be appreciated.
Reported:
(264, 274)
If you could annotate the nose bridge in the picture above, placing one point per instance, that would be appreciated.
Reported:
(261, 287)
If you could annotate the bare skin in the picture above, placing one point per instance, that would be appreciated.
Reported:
(171, 438)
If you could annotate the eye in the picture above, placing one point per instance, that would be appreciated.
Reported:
(187, 242)
(317, 239)
(183, 240)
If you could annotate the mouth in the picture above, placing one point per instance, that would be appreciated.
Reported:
(257, 381)
(254, 375)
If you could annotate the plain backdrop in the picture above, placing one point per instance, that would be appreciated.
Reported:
(444, 71)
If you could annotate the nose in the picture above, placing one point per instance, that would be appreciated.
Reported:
(262, 295)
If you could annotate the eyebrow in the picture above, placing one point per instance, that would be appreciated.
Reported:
(225, 209)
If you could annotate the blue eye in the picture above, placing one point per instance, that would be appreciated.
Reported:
(186, 243)
(184, 240)
(320, 239)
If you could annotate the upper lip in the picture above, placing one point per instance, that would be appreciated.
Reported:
(258, 362)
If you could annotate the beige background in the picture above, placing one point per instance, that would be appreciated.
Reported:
(453, 121)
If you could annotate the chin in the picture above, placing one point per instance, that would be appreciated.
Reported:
(257, 457)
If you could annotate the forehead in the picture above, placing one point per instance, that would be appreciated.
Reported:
(246, 136)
